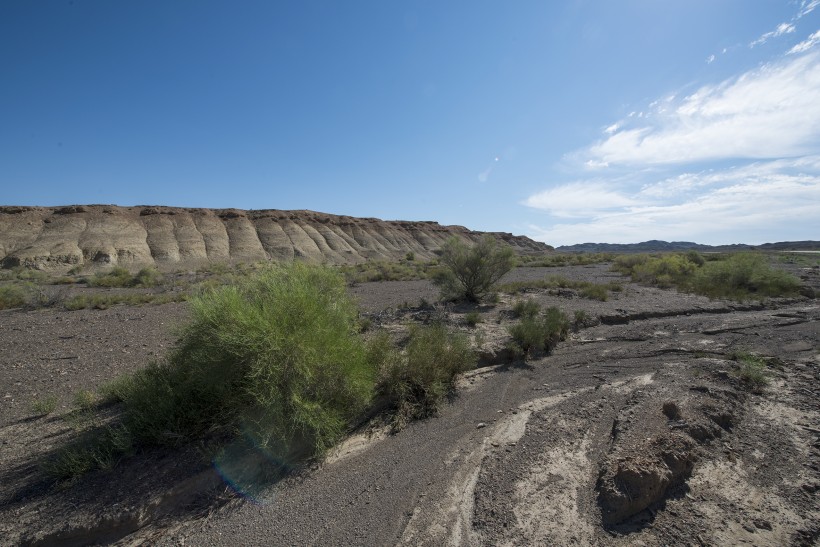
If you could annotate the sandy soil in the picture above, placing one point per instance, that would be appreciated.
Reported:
(636, 431)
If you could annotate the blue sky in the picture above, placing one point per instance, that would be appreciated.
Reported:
(566, 121)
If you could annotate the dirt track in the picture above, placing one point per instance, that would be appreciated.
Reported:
(524, 454)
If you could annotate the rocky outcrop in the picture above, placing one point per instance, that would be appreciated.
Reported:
(58, 237)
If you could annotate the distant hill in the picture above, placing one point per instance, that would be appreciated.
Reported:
(106, 235)
(655, 246)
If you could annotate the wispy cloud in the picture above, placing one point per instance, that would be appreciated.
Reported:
(782, 28)
(806, 44)
(773, 111)
(578, 199)
(733, 205)
(734, 161)
(806, 7)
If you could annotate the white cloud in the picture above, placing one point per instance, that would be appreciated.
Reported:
(737, 204)
(782, 28)
(773, 111)
(612, 128)
(806, 44)
(578, 199)
(745, 212)
(710, 59)
(806, 7)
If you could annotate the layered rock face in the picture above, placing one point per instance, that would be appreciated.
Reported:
(60, 237)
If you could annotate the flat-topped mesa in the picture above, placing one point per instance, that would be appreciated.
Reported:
(99, 235)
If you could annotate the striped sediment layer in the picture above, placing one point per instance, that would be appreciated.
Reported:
(59, 237)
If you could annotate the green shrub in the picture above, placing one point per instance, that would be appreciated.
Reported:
(146, 277)
(121, 277)
(743, 276)
(586, 289)
(384, 270)
(13, 296)
(471, 271)
(595, 292)
(526, 308)
(626, 263)
(751, 370)
(278, 356)
(581, 319)
(105, 301)
(279, 353)
(25, 295)
(417, 381)
(115, 277)
(665, 271)
(44, 406)
(565, 259)
(536, 334)
(84, 399)
(473, 318)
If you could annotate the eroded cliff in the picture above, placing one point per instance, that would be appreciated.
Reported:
(59, 237)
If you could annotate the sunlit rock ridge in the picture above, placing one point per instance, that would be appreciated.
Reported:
(61, 237)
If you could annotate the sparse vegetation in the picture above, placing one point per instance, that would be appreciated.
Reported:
(565, 259)
(472, 271)
(45, 405)
(526, 308)
(586, 289)
(417, 380)
(473, 318)
(744, 276)
(384, 270)
(104, 301)
(85, 399)
(280, 356)
(582, 319)
(540, 333)
(751, 370)
(739, 276)
(121, 277)
(12, 296)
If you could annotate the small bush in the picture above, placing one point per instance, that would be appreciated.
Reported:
(146, 277)
(116, 277)
(12, 296)
(278, 356)
(417, 381)
(383, 270)
(565, 259)
(625, 264)
(121, 277)
(473, 318)
(751, 370)
(279, 353)
(536, 334)
(84, 399)
(595, 292)
(526, 308)
(44, 406)
(666, 271)
(471, 272)
(581, 319)
(744, 276)
(586, 289)
(739, 276)
(105, 301)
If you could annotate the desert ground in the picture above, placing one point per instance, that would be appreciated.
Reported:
(636, 430)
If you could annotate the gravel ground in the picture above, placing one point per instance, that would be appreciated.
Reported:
(526, 453)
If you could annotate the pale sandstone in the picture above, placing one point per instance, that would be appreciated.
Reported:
(61, 237)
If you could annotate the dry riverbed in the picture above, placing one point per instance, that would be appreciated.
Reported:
(635, 431)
